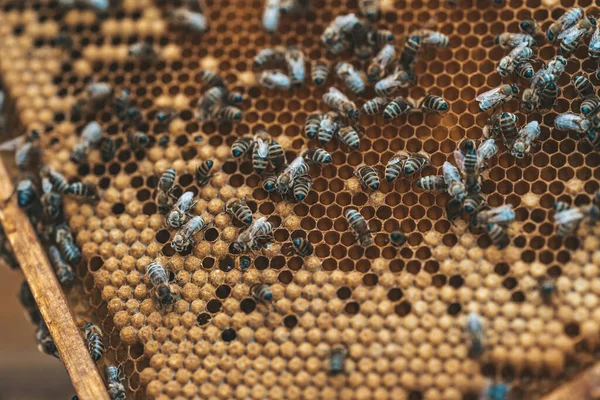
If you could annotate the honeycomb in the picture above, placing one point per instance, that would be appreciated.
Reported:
(399, 312)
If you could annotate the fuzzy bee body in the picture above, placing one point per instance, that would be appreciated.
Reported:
(271, 15)
(167, 180)
(328, 127)
(497, 96)
(121, 103)
(567, 221)
(95, 346)
(367, 176)
(245, 263)
(509, 40)
(337, 361)
(319, 71)
(501, 215)
(58, 181)
(185, 236)
(569, 121)
(108, 148)
(311, 125)
(271, 56)
(302, 186)
(340, 102)
(302, 247)
(138, 141)
(396, 107)
(522, 144)
(241, 146)
(240, 210)
(351, 77)
(498, 235)
(590, 106)
(160, 281)
(269, 184)
(524, 70)
(27, 194)
(86, 190)
(296, 65)
(473, 203)
(380, 37)
(565, 21)
(375, 105)
(349, 136)
(318, 156)
(63, 271)
(255, 237)
(359, 227)
(90, 138)
(70, 251)
(142, 51)
(593, 137)
(571, 38)
(183, 205)
(432, 182)
(508, 126)
(116, 390)
(260, 155)
(229, 113)
(276, 154)
(518, 55)
(203, 174)
(285, 181)
(190, 20)
(582, 85)
(409, 51)
(387, 86)
(262, 292)
(397, 238)
(432, 38)
(456, 188)
(594, 45)
(275, 79)
(415, 162)
(380, 62)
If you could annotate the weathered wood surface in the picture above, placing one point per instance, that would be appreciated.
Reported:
(585, 386)
(52, 303)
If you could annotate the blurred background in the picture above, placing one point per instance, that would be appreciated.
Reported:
(25, 373)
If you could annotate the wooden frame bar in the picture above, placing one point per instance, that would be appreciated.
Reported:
(579, 388)
(49, 296)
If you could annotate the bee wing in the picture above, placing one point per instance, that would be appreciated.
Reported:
(566, 216)
(450, 173)
(255, 227)
(487, 150)
(459, 158)
(398, 157)
(12, 145)
(501, 215)
(572, 34)
(46, 185)
(185, 198)
(262, 148)
(490, 97)
(531, 131)
(336, 92)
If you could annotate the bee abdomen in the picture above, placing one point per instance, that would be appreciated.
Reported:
(262, 292)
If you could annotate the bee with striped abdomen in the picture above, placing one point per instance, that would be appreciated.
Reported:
(337, 100)
(88, 191)
(185, 236)
(44, 340)
(90, 138)
(570, 121)
(329, 126)
(337, 35)
(380, 37)
(116, 390)
(26, 149)
(359, 227)
(511, 40)
(92, 98)
(270, 56)
(571, 38)
(473, 203)
(255, 237)
(395, 166)
(276, 154)
(262, 292)
(548, 96)
(397, 238)
(57, 180)
(415, 162)
(565, 21)
(590, 106)
(142, 51)
(456, 188)
(487, 150)
(296, 65)
(498, 235)
(275, 79)
(593, 137)
(507, 124)
(260, 152)
(429, 37)
(27, 193)
(138, 140)
(409, 52)
(349, 136)
(360, 41)
(66, 244)
(269, 184)
(241, 146)
(518, 55)
(497, 96)
(160, 281)
(189, 20)
(108, 148)
(387, 86)
(567, 221)
(380, 62)
(228, 113)
(180, 210)
(432, 182)
(95, 345)
(167, 180)
(121, 103)
(63, 271)
(302, 186)
(285, 181)
(524, 70)
(476, 335)
(526, 136)
(302, 247)
(245, 263)
(375, 105)
(240, 210)
(502, 215)
(396, 107)
(337, 361)
(319, 71)
(582, 85)
(317, 155)
(311, 125)
(351, 77)
(210, 103)
(203, 174)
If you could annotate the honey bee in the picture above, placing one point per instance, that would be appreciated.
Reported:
(567, 221)
(502, 215)
(431, 103)
(517, 56)
(181, 208)
(349, 136)
(594, 45)
(241, 146)
(380, 62)
(590, 106)
(582, 85)
(165, 115)
(495, 391)
(336, 36)
(524, 70)
(185, 236)
(302, 186)
(570, 38)
(269, 184)
(90, 138)
(340, 102)
(302, 247)
(511, 40)
(319, 71)
(121, 103)
(160, 281)
(565, 21)
(190, 20)
(387, 86)
(88, 191)
(142, 51)
(311, 125)
(66, 244)
(529, 26)
(415, 162)
(285, 181)
(367, 176)
(108, 147)
(138, 140)
(275, 79)
(395, 166)
(527, 135)
(255, 237)
(276, 154)
(432, 183)
(593, 137)
(501, 122)
(295, 62)
(473, 203)
(167, 180)
(240, 210)
(351, 77)
(550, 73)
(260, 154)
(476, 334)
(456, 187)
(498, 235)
(210, 102)
(245, 263)
(487, 150)
(63, 271)
(329, 126)
(369, 8)
(396, 107)
(380, 37)
(318, 156)
(547, 289)
(26, 149)
(359, 227)
(270, 56)
(429, 37)
(397, 238)
(203, 174)
(56, 179)
(27, 193)
(262, 292)
(95, 345)
(271, 15)
(497, 96)
(570, 121)
(409, 52)
(44, 340)
(375, 105)
(229, 113)
(116, 390)
(337, 361)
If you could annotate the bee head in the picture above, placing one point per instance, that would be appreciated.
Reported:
(514, 89)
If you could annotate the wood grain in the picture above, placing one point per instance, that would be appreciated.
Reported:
(48, 294)
(585, 386)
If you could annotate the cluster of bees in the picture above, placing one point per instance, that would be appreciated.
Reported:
(568, 218)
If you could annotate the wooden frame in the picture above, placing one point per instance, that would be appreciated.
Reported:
(49, 296)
